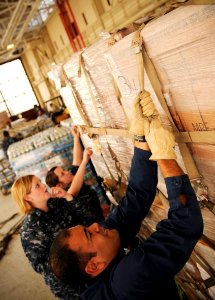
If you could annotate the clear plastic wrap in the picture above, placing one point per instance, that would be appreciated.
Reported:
(181, 47)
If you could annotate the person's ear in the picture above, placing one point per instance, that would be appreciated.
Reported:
(95, 267)
(28, 198)
(59, 184)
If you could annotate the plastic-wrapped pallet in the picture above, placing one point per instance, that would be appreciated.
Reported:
(7, 176)
(34, 154)
(184, 62)
(92, 88)
(29, 128)
(181, 47)
(178, 52)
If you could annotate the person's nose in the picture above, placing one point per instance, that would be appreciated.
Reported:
(43, 185)
(94, 228)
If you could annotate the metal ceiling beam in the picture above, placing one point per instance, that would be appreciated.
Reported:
(28, 19)
(16, 20)
(12, 24)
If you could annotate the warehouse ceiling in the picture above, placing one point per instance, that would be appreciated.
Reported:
(20, 21)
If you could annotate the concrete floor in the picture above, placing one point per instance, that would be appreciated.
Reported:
(18, 281)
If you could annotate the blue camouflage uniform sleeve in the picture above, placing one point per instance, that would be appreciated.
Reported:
(35, 243)
(37, 234)
(141, 191)
(87, 207)
(157, 260)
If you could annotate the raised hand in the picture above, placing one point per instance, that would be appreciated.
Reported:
(58, 192)
(160, 140)
(137, 121)
(87, 154)
(75, 132)
(147, 105)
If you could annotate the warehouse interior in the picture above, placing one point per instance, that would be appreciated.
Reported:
(89, 59)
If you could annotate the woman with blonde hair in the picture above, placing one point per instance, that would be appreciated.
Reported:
(47, 214)
(21, 188)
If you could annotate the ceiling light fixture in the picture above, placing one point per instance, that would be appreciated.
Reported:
(10, 46)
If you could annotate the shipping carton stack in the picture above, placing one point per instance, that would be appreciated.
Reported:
(173, 58)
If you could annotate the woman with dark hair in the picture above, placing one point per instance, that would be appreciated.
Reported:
(69, 181)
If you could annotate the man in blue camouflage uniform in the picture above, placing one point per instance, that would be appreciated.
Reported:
(93, 260)
(39, 230)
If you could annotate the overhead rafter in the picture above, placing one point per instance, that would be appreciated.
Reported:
(15, 19)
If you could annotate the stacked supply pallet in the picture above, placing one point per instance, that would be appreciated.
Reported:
(173, 58)
(33, 155)
(7, 176)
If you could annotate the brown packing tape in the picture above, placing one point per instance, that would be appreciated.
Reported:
(111, 175)
(190, 165)
(152, 74)
(199, 2)
(141, 58)
(121, 174)
(78, 105)
(203, 137)
(107, 131)
(207, 137)
(119, 96)
(79, 64)
(137, 46)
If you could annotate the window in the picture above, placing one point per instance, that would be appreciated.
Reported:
(55, 45)
(61, 38)
(16, 94)
(73, 30)
(84, 17)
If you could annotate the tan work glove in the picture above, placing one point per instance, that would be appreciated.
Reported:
(137, 121)
(160, 140)
(143, 111)
(148, 108)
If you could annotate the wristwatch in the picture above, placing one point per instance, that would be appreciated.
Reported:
(140, 138)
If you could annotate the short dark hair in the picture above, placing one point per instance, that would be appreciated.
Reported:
(51, 178)
(6, 133)
(66, 264)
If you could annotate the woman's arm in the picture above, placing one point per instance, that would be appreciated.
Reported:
(77, 149)
(79, 176)
(77, 182)
(59, 192)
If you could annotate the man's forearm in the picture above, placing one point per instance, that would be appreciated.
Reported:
(169, 168)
